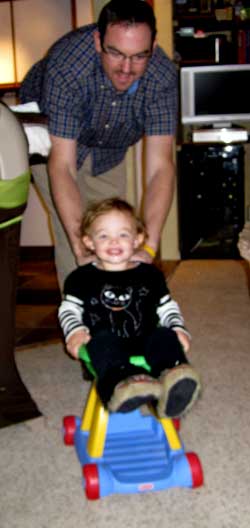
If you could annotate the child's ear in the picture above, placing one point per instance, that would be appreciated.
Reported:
(139, 241)
(88, 242)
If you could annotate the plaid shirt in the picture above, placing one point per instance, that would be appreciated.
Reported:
(81, 103)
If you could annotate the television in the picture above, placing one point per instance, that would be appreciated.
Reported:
(217, 95)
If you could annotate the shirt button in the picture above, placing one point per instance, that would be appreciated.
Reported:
(113, 103)
(102, 86)
(107, 125)
(99, 142)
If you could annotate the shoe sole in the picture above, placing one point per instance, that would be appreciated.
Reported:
(180, 389)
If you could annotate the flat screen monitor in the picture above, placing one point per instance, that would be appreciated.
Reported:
(215, 95)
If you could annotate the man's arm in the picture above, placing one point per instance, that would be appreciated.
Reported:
(160, 184)
(65, 191)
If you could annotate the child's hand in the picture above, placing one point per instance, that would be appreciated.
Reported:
(81, 337)
(184, 340)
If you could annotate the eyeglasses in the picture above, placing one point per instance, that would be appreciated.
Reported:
(118, 56)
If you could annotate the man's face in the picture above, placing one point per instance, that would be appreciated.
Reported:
(125, 53)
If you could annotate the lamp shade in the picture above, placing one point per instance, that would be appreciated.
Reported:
(7, 55)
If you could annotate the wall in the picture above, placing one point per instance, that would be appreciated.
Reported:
(47, 20)
(45, 23)
(170, 237)
(84, 11)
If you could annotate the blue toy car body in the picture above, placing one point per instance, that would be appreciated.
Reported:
(137, 456)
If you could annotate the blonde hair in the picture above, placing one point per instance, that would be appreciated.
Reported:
(96, 209)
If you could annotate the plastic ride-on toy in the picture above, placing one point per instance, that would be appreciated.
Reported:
(129, 452)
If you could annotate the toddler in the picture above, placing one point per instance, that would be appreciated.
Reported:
(122, 311)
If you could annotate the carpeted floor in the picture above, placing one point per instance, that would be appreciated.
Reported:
(40, 484)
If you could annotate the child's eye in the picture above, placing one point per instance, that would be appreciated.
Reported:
(102, 236)
(125, 235)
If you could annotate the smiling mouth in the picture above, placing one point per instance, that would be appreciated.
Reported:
(124, 76)
(114, 252)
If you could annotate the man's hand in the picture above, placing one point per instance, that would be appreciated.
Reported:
(142, 256)
(82, 255)
(80, 337)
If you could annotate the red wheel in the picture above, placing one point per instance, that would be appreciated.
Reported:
(196, 469)
(69, 429)
(90, 473)
(177, 423)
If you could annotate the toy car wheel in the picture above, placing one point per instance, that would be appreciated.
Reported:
(69, 429)
(177, 423)
(91, 481)
(196, 469)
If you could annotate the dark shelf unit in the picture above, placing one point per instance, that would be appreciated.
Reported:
(209, 23)
(211, 200)
(202, 51)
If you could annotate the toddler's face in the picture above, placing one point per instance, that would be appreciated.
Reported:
(113, 238)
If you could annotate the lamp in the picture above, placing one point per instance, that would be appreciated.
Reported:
(8, 68)
(12, 55)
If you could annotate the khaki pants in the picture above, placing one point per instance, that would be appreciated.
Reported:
(110, 183)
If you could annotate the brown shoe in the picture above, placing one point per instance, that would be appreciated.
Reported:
(134, 392)
(180, 389)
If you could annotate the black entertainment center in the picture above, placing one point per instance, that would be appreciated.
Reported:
(212, 50)
(211, 165)
(211, 199)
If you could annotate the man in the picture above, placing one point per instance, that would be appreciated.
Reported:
(103, 87)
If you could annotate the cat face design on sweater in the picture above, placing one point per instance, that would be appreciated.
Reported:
(116, 298)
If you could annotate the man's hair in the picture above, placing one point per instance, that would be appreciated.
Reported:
(127, 12)
(97, 209)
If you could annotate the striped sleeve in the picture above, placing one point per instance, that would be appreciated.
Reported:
(70, 315)
(170, 315)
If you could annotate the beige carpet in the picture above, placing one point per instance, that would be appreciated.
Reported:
(40, 478)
